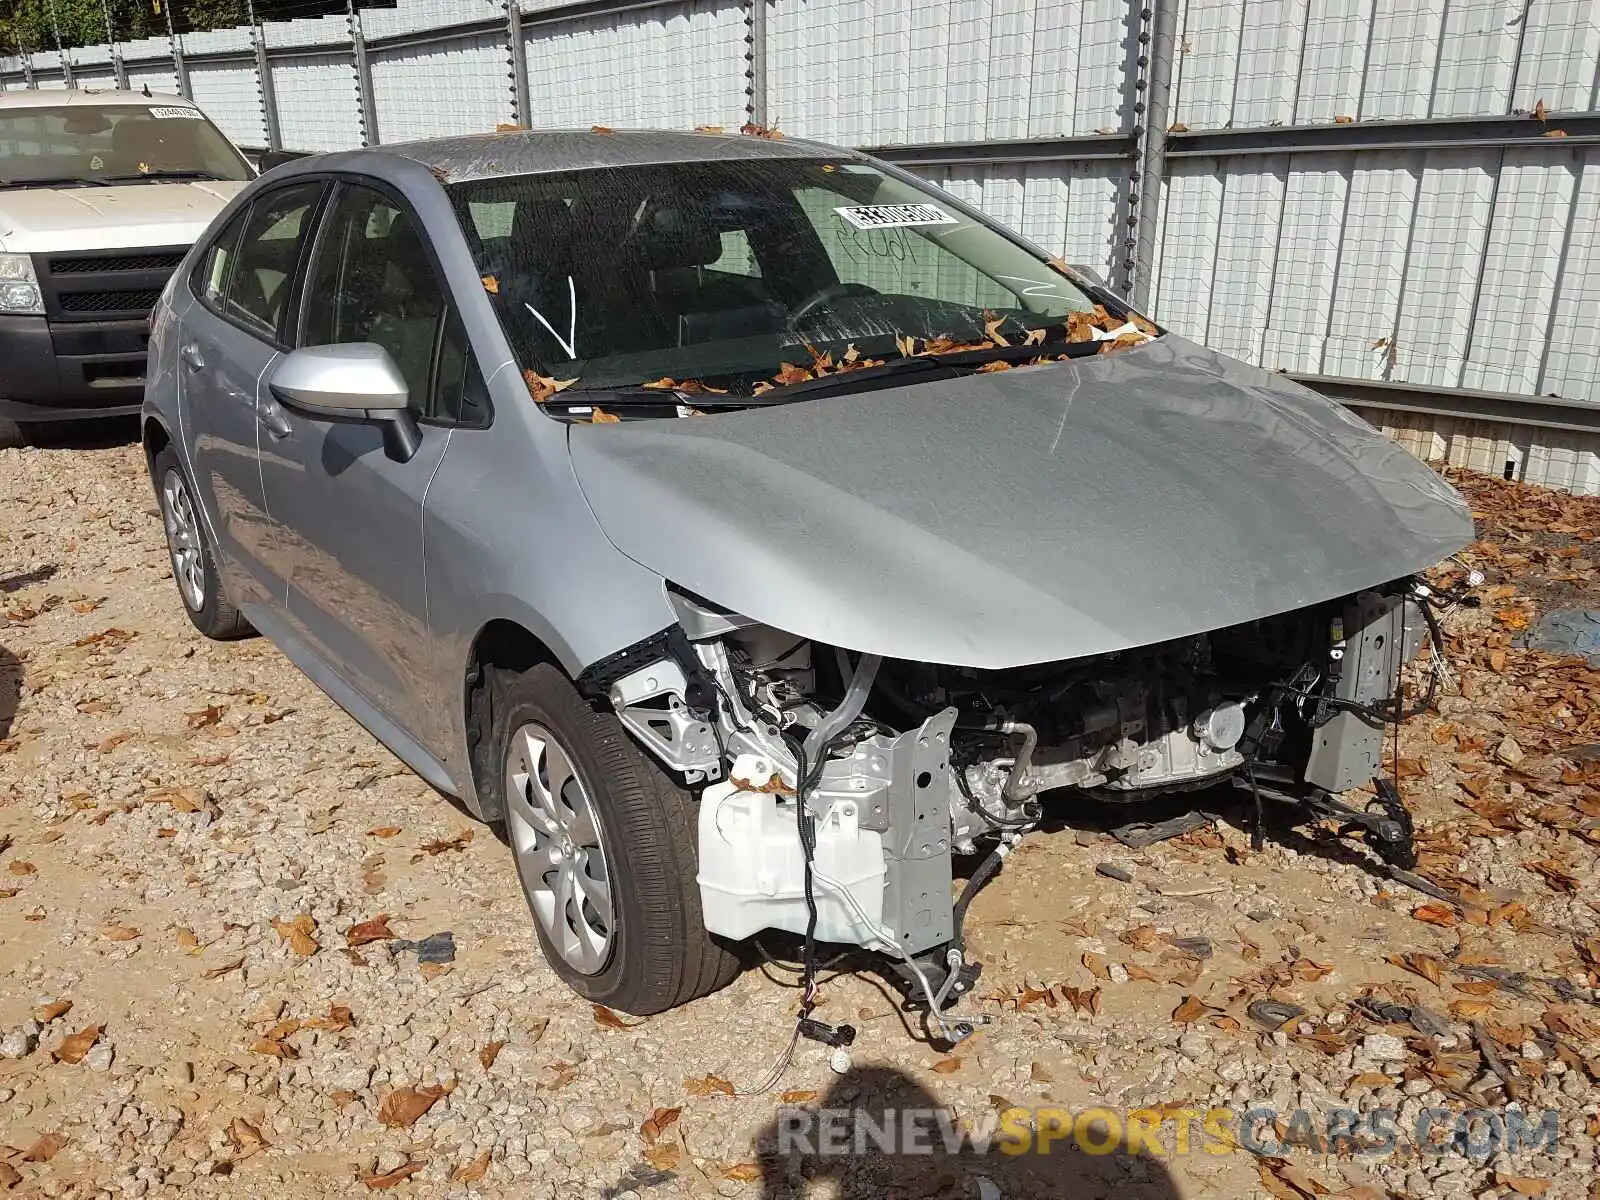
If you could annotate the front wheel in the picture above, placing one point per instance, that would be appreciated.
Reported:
(605, 847)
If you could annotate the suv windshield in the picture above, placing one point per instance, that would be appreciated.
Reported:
(722, 272)
(90, 144)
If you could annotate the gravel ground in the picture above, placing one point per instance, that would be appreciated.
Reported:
(196, 842)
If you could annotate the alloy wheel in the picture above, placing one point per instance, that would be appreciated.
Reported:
(560, 849)
(184, 540)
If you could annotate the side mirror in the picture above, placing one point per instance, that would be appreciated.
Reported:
(353, 382)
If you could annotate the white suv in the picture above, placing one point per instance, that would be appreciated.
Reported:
(101, 193)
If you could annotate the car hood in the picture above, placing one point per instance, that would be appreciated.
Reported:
(108, 218)
(1024, 516)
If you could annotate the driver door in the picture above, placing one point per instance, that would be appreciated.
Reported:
(348, 515)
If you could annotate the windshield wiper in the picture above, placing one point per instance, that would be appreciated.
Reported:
(55, 181)
(169, 173)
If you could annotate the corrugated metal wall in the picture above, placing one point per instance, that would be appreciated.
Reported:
(1439, 262)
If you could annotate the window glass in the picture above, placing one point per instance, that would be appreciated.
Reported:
(125, 143)
(260, 282)
(372, 282)
(212, 277)
(724, 271)
(459, 395)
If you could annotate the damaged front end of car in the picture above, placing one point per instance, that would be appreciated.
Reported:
(837, 786)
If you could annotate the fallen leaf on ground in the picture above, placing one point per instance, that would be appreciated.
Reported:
(396, 1177)
(404, 1106)
(799, 1096)
(664, 1156)
(658, 1122)
(299, 933)
(118, 933)
(460, 842)
(46, 1013)
(75, 1046)
(745, 1172)
(707, 1085)
(1523, 1185)
(1441, 915)
(384, 831)
(44, 1148)
(246, 1138)
(224, 969)
(946, 1066)
(471, 1172)
(489, 1053)
(608, 1019)
(375, 930)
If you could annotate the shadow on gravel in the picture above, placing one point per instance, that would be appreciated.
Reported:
(83, 435)
(800, 1152)
(14, 583)
(10, 689)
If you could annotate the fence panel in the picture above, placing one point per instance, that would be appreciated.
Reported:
(456, 86)
(318, 106)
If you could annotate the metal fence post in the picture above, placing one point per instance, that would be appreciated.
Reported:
(268, 98)
(27, 71)
(66, 62)
(180, 69)
(363, 69)
(518, 52)
(118, 71)
(755, 62)
(1159, 48)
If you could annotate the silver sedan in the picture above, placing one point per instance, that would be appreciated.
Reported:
(757, 531)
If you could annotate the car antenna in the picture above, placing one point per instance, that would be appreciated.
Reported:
(145, 90)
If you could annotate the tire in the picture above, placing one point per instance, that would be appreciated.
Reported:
(189, 549)
(12, 435)
(656, 952)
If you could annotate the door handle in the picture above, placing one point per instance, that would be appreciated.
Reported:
(192, 358)
(273, 420)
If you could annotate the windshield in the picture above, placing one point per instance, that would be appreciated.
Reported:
(721, 273)
(88, 144)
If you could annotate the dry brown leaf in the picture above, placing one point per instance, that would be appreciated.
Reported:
(10, 1177)
(461, 841)
(1470, 1010)
(608, 1019)
(373, 930)
(44, 1148)
(1082, 999)
(432, 970)
(1098, 967)
(946, 1066)
(542, 387)
(339, 1017)
(799, 1096)
(404, 1106)
(1441, 915)
(209, 715)
(18, 867)
(1540, 112)
(118, 933)
(1557, 875)
(707, 1085)
(1192, 1009)
(1425, 965)
(274, 1047)
(299, 932)
(396, 1177)
(1522, 1185)
(745, 1172)
(664, 1156)
(471, 1172)
(489, 1053)
(658, 1122)
(1477, 987)
(74, 1047)
(226, 968)
(599, 416)
(384, 831)
(491, 285)
(246, 1138)
(601, 129)
(46, 1013)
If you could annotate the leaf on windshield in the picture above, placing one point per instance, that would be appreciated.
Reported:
(601, 417)
(991, 329)
(998, 364)
(542, 387)
(688, 386)
(1035, 338)
(708, 129)
(906, 344)
(1143, 325)
(1123, 342)
(760, 131)
(491, 285)
(789, 373)
(1080, 327)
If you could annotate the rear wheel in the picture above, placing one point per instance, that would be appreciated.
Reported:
(194, 563)
(605, 847)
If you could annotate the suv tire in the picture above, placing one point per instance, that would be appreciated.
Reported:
(605, 843)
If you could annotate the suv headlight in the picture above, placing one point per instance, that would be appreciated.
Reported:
(19, 286)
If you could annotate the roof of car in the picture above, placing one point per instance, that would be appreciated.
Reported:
(56, 97)
(526, 152)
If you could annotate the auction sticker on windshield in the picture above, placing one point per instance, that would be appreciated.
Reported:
(175, 112)
(894, 216)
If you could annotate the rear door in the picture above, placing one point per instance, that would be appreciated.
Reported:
(228, 337)
(350, 517)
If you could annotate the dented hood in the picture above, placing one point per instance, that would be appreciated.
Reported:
(1024, 516)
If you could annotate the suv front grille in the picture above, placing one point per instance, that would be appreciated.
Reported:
(101, 285)
(141, 301)
(157, 260)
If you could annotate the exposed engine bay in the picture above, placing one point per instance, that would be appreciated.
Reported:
(836, 787)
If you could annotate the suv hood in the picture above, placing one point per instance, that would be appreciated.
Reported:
(108, 218)
(1024, 516)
